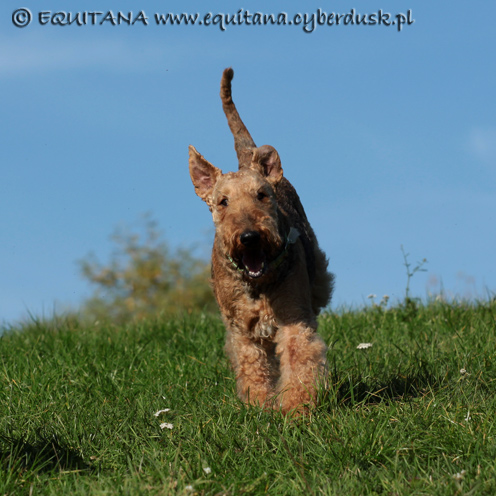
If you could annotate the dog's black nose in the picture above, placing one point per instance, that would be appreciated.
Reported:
(250, 238)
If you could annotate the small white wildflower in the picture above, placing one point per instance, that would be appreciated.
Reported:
(463, 371)
(207, 470)
(371, 296)
(189, 487)
(384, 301)
(165, 410)
(165, 425)
(459, 476)
(364, 346)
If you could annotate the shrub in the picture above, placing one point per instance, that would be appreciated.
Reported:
(145, 277)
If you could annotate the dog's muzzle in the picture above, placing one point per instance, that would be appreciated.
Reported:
(253, 262)
(253, 258)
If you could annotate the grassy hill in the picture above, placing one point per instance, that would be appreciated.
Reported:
(413, 414)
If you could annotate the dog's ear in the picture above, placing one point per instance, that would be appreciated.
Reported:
(203, 174)
(266, 160)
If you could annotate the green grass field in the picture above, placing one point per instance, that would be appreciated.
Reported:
(413, 414)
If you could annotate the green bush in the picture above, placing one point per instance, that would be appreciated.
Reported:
(145, 277)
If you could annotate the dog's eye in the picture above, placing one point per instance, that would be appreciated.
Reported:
(223, 202)
(261, 195)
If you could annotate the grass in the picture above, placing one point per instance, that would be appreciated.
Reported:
(77, 407)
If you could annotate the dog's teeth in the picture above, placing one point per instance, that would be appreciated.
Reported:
(255, 274)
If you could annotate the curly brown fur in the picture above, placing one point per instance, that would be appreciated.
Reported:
(269, 275)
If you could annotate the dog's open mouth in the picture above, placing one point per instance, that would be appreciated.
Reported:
(253, 263)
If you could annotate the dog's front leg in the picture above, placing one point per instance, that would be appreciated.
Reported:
(302, 354)
(253, 362)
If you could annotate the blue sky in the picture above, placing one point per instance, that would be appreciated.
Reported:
(389, 138)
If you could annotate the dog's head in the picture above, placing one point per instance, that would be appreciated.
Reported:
(248, 223)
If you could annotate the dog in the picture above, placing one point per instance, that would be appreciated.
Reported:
(269, 276)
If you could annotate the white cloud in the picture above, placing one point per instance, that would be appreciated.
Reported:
(35, 53)
(482, 143)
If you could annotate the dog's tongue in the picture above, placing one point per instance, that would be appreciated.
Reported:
(253, 263)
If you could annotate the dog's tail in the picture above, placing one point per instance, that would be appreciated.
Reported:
(243, 142)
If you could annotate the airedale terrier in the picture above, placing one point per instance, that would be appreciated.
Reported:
(269, 275)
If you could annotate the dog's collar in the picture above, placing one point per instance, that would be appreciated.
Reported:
(290, 239)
